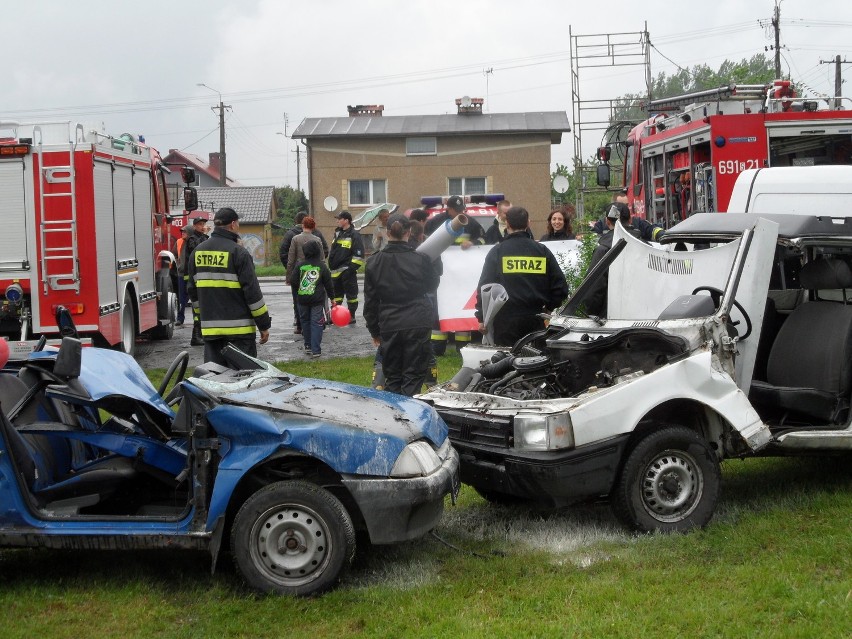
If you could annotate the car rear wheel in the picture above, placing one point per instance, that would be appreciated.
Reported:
(670, 482)
(292, 538)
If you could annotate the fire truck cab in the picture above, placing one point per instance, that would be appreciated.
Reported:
(687, 156)
(86, 227)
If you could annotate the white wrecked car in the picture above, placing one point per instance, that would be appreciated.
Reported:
(739, 345)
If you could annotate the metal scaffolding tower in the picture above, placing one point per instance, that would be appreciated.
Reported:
(595, 118)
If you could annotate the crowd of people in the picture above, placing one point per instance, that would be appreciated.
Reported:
(217, 276)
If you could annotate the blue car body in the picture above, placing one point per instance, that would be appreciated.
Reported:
(180, 478)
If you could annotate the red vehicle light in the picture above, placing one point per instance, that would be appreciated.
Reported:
(14, 150)
(76, 308)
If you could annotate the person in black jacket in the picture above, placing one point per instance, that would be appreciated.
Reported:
(193, 239)
(497, 231)
(397, 310)
(558, 227)
(224, 289)
(531, 276)
(471, 234)
(596, 298)
(344, 260)
(313, 283)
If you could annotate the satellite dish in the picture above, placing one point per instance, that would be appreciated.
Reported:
(465, 101)
(330, 203)
(561, 184)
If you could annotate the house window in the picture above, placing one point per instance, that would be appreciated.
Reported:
(367, 192)
(421, 146)
(466, 186)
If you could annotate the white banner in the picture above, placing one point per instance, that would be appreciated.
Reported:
(462, 269)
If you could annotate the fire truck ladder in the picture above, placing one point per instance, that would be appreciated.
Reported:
(59, 223)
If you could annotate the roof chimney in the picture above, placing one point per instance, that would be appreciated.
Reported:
(469, 106)
(368, 110)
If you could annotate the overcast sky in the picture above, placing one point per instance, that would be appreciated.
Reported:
(135, 66)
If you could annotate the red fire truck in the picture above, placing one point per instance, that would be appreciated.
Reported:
(687, 156)
(86, 226)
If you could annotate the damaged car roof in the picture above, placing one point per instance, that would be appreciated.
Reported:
(712, 227)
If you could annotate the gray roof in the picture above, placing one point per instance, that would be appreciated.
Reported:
(552, 122)
(252, 203)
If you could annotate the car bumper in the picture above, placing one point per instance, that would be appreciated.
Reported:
(396, 510)
(554, 478)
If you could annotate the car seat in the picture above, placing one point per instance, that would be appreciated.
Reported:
(809, 370)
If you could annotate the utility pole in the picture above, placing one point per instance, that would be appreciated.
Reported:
(223, 163)
(776, 24)
(838, 80)
(298, 169)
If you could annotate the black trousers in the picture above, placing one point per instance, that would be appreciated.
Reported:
(405, 360)
(508, 330)
(346, 284)
(213, 348)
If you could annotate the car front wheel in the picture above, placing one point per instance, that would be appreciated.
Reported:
(670, 482)
(292, 538)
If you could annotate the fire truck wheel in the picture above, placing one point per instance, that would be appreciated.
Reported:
(128, 327)
(166, 308)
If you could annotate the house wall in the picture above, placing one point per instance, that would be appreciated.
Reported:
(515, 165)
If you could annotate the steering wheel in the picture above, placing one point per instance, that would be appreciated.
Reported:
(180, 362)
(716, 296)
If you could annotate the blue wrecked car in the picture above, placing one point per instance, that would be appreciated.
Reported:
(285, 470)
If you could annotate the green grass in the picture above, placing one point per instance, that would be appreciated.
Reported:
(775, 562)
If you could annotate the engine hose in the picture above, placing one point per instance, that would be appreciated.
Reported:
(477, 377)
(461, 380)
(503, 381)
(498, 368)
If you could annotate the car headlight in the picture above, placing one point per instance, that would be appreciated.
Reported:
(543, 432)
(418, 459)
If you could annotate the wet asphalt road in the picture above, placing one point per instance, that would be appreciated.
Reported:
(283, 344)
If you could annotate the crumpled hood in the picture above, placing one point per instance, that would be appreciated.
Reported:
(352, 428)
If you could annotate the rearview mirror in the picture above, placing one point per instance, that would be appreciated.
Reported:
(190, 199)
(603, 175)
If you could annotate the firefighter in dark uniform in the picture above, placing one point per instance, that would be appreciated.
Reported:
(223, 285)
(195, 237)
(471, 234)
(397, 310)
(531, 276)
(596, 298)
(345, 257)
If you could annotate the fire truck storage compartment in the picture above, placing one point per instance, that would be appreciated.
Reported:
(123, 211)
(810, 143)
(15, 240)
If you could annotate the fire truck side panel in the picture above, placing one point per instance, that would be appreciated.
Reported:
(14, 241)
(738, 142)
(144, 244)
(107, 259)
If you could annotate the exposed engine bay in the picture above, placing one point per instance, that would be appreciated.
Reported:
(545, 366)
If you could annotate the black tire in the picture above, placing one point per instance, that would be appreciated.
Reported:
(127, 326)
(166, 308)
(314, 525)
(669, 483)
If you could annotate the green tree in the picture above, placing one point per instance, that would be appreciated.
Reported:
(288, 202)
(630, 108)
